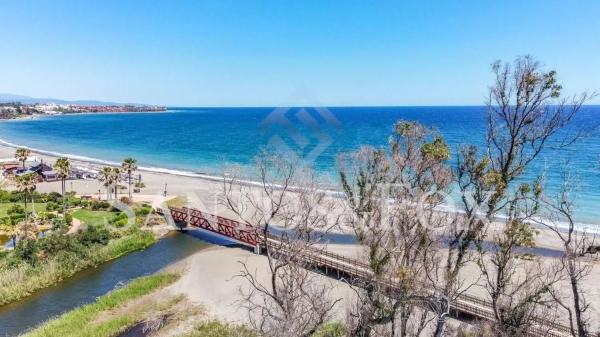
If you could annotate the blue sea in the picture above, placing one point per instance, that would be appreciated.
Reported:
(203, 140)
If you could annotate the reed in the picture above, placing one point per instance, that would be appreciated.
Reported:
(83, 320)
(23, 279)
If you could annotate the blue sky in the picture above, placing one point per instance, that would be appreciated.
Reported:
(270, 53)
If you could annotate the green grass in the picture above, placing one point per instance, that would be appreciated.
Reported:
(331, 330)
(94, 218)
(24, 279)
(219, 329)
(39, 207)
(81, 321)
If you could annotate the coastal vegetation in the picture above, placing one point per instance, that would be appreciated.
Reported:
(84, 321)
(140, 303)
(36, 264)
(77, 233)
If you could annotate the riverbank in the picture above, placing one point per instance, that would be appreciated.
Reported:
(86, 320)
(19, 279)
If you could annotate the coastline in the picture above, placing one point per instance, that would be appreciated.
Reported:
(200, 186)
(204, 181)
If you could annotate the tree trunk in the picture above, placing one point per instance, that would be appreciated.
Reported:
(581, 326)
(440, 328)
(63, 192)
(25, 202)
(32, 206)
(129, 180)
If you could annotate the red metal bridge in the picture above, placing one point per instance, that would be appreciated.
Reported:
(349, 268)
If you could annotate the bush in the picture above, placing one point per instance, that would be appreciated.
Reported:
(330, 330)
(54, 197)
(51, 206)
(120, 220)
(58, 224)
(143, 211)
(125, 200)
(120, 223)
(55, 243)
(75, 202)
(94, 235)
(26, 250)
(68, 219)
(15, 209)
(96, 205)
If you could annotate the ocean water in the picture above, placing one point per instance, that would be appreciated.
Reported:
(204, 140)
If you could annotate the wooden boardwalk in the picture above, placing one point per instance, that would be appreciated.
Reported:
(347, 268)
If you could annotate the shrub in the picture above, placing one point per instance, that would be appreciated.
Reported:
(51, 206)
(94, 235)
(58, 224)
(125, 200)
(75, 202)
(54, 243)
(143, 211)
(96, 205)
(26, 250)
(68, 219)
(330, 330)
(120, 223)
(54, 197)
(15, 209)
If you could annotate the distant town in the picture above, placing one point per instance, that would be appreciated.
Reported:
(15, 110)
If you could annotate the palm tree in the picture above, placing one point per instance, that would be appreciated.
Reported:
(116, 179)
(21, 154)
(27, 184)
(63, 169)
(129, 165)
(105, 176)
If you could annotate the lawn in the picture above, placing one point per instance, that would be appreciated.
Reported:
(39, 207)
(94, 218)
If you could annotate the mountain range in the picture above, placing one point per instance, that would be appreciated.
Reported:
(9, 98)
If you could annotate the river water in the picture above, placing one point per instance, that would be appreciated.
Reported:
(86, 286)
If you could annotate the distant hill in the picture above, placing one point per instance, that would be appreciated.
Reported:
(8, 98)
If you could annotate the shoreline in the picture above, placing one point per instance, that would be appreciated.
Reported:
(96, 164)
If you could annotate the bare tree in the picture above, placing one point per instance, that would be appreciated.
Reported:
(393, 199)
(525, 112)
(292, 302)
(518, 284)
(574, 264)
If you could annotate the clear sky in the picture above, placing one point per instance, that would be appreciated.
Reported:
(270, 53)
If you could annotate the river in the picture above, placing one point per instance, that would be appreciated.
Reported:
(87, 285)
